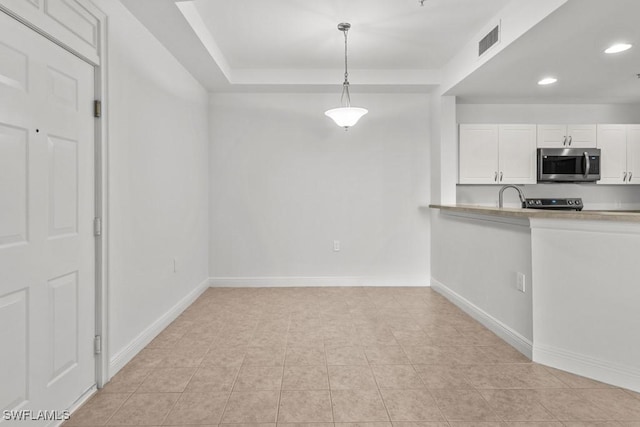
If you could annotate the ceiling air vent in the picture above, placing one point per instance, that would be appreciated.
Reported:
(489, 40)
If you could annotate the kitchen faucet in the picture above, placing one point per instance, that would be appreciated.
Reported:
(520, 194)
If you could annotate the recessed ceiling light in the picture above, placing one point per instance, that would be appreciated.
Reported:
(547, 81)
(617, 48)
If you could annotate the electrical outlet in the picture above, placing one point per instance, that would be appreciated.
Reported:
(336, 245)
(522, 282)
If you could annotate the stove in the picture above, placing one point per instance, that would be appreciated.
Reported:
(573, 204)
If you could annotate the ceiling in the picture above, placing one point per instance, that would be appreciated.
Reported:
(399, 46)
(568, 45)
(231, 45)
(385, 34)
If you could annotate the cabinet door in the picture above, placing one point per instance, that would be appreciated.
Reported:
(478, 154)
(517, 154)
(581, 136)
(612, 140)
(633, 154)
(551, 136)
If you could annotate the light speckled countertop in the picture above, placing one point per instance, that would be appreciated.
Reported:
(624, 216)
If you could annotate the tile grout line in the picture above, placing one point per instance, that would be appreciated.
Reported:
(379, 391)
(284, 360)
(501, 419)
(427, 388)
(130, 394)
(369, 365)
(185, 387)
(326, 367)
(563, 422)
(119, 407)
(233, 384)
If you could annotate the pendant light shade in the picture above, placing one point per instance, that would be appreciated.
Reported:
(346, 116)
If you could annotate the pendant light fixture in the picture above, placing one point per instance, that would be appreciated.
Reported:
(346, 115)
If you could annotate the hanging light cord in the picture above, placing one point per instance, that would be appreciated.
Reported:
(345, 99)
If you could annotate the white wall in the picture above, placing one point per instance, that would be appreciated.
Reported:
(286, 182)
(594, 196)
(158, 188)
(586, 297)
(548, 113)
(444, 149)
(475, 262)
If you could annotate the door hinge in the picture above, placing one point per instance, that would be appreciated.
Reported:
(97, 109)
(97, 227)
(97, 344)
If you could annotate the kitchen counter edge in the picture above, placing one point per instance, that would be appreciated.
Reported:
(541, 213)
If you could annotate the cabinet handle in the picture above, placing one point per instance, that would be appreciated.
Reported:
(564, 141)
(630, 175)
(570, 139)
(500, 176)
(624, 178)
(495, 177)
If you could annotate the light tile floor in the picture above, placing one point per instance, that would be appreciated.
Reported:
(343, 355)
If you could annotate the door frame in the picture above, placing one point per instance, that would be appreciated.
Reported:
(101, 175)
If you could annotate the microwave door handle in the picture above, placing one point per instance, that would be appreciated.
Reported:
(587, 169)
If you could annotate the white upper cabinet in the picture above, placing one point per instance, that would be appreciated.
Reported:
(552, 136)
(506, 154)
(633, 154)
(517, 154)
(620, 145)
(478, 154)
(582, 136)
(497, 154)
(567, 136)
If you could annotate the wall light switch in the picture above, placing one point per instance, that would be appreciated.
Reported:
(336, 245)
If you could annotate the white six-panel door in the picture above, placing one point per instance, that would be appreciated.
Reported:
(47, 295)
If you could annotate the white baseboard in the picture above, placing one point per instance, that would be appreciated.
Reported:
(515, 339)
(606, 372)
(318, 281)
(579, 364)
(121, 358)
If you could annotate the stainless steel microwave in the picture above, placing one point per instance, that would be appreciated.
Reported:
(568, 164)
